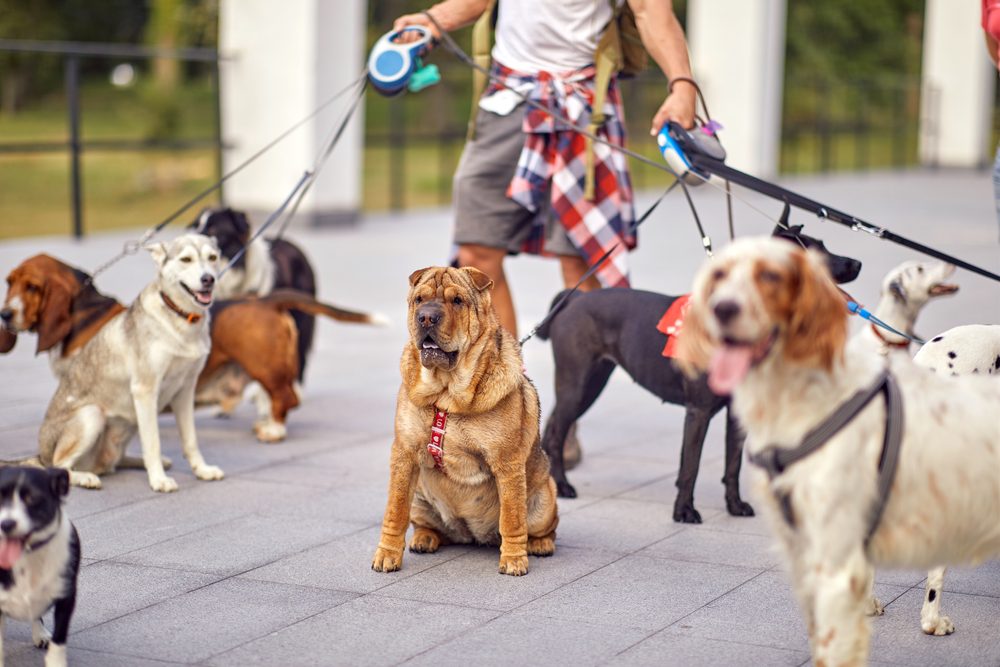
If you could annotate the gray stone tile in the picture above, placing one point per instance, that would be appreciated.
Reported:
(472, 579)
(750, 525)
(982, 580)
(897, 635)
(196, 625)
(605, 476)
(241, 544)
(641, 592)
(369, 630)
(703, 545)
(601, 525)
(344, 563)
(675, 647)
(100, 587)
(525, 638)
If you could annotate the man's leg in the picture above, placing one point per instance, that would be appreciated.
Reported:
(573, 268)
(490, 261)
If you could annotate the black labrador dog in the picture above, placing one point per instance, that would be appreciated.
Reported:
(595, 331)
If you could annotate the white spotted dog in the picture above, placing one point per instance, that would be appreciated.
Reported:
(906, 289)
(144, 359)
(39, 556)
(848, 446)
(966, 350)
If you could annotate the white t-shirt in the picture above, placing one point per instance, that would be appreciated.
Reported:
(549, 35)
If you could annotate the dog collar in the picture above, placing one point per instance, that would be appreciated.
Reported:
(436, 445)
(191, 318)
(901, 344)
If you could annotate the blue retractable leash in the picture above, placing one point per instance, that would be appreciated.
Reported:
(393, 67)
(859, 310)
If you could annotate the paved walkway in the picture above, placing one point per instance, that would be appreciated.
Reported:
(271, 565)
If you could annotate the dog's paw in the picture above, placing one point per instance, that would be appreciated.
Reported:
(387, 561)
(270, 431)
(163, 484)
(56, 656)
(565, 490)
(686, 513)
(874, 607)
(736, 507)
(424, 541)
(938, 627)
(39, 635)
(541, 546)
(208, 473)
(86, 480)
(513, 565)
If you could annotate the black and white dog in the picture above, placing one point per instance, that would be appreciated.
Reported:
(596, 331)
(265, 266)
(39, 555)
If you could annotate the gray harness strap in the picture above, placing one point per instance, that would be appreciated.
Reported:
(775, 460)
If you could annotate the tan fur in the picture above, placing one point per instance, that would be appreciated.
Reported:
(496, 486)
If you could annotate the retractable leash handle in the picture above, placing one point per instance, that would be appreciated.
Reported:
(676, 143)
(393, 66)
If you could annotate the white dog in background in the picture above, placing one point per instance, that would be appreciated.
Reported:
(143, 360)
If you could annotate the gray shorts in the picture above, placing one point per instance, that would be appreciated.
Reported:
(484, 215)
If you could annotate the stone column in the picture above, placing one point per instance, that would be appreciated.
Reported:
(284, 60)
(737, 56)
(957, 86)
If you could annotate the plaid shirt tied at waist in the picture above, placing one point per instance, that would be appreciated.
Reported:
(553, 164)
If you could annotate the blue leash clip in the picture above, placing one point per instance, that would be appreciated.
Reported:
(393, 67)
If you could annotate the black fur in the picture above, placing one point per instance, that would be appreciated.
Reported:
(231, 231)
(596, 331)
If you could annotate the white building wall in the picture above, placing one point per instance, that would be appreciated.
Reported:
(737, 57)
(285, 59)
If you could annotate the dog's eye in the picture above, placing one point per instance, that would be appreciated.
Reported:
(186, 260)
(770, 276)
(457, 301)
(920, 269)
(213, 258)
(418, 299)
(27, 496)
(718, 274)
(30, 287)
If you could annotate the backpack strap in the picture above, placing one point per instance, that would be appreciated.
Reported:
(482, 45)
(608, 61)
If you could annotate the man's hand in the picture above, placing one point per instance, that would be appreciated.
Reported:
(414, 20)
(678, 107)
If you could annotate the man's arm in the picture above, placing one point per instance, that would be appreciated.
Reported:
(450, 14)
(664, 39)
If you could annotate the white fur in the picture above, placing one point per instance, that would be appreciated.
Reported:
(947, 485)
(976, 348)
(256, 276)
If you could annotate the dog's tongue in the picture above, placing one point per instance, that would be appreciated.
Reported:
(10, 551)
(728, 367)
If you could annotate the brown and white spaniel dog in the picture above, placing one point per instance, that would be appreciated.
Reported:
(769, 326)
(58, 302)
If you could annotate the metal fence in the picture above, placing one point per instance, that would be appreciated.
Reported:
(72, 54)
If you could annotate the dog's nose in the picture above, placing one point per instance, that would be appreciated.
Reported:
(725, 311)
(8, 526)
(207, 280)
(6, 314)
(429, 315)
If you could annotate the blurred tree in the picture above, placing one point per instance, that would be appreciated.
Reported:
(39, 19)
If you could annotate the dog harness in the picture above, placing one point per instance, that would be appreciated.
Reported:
(775, 460)
(190, 317)
(436, 445)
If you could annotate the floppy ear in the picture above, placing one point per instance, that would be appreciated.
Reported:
(54, 315)
(415, 276)
(817, 329)
(59, 479)
(479, 279)
(897, 290)
(694, 345)
(159, 253)
(7, 340)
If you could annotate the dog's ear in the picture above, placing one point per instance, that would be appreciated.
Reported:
(817, 327)
(241, 223)
(158, 251)
(59, 479)
(897, 290)
(694, 344)
(415, 276)
(7, 340)
(54, 314)
(479, 279)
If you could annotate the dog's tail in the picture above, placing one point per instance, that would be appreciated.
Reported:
(557, 304)
(291, 299)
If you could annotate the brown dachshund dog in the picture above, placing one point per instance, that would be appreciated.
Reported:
(252, 338)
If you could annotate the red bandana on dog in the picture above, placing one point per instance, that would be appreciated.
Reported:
(671, 323)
